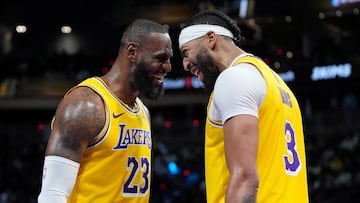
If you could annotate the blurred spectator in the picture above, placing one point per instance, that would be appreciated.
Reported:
(349, 107)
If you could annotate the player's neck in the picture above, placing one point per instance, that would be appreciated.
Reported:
(226, 56)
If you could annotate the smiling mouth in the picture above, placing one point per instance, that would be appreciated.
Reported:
(195, 71)
(158, 80)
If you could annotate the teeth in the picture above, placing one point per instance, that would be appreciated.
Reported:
(197, 72)
(159, 80)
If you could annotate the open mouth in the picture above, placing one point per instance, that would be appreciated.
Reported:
(194, 70)
(158, 80)
(197, 72)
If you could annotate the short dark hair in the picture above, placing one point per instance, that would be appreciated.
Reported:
(140, 29)
(216, 17)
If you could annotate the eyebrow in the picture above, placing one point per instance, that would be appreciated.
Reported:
(163, 54)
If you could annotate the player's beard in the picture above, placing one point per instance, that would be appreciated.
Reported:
(141, 80)
(207, 67)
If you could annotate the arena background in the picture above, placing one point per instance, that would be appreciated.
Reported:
(48, 46)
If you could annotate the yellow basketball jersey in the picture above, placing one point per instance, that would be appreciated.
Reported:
(116, 165)
(281, 160)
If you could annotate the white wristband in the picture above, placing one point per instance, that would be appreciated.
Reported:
(59, 176)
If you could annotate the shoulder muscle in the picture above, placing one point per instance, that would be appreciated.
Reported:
(79, 117)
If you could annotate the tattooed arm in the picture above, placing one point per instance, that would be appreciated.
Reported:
(79, 117)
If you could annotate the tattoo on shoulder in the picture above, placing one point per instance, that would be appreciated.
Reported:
(81, 118)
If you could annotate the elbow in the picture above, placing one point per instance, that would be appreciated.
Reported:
(252, 180)
(242, 187)
(247, 179)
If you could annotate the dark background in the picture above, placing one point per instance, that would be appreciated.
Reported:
(38, 66)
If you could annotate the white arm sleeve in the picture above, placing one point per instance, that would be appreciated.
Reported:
(59, 176)
(239, 90)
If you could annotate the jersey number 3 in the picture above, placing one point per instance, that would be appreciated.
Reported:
(131, 189)
(292, 162)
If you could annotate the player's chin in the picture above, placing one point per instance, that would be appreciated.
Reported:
(156, 92)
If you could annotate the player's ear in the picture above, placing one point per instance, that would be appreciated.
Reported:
(132, 51)
(210, 39)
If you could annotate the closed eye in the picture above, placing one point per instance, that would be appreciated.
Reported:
(184, 53)
(162, 57)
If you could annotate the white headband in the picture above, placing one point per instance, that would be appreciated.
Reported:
(195, 31)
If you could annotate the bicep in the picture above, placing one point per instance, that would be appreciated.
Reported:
(241, 141)
(79, 117)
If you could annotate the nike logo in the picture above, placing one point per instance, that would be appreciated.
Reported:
(117, 115)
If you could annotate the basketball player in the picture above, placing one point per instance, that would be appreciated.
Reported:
(254, 145)
(100, 145)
